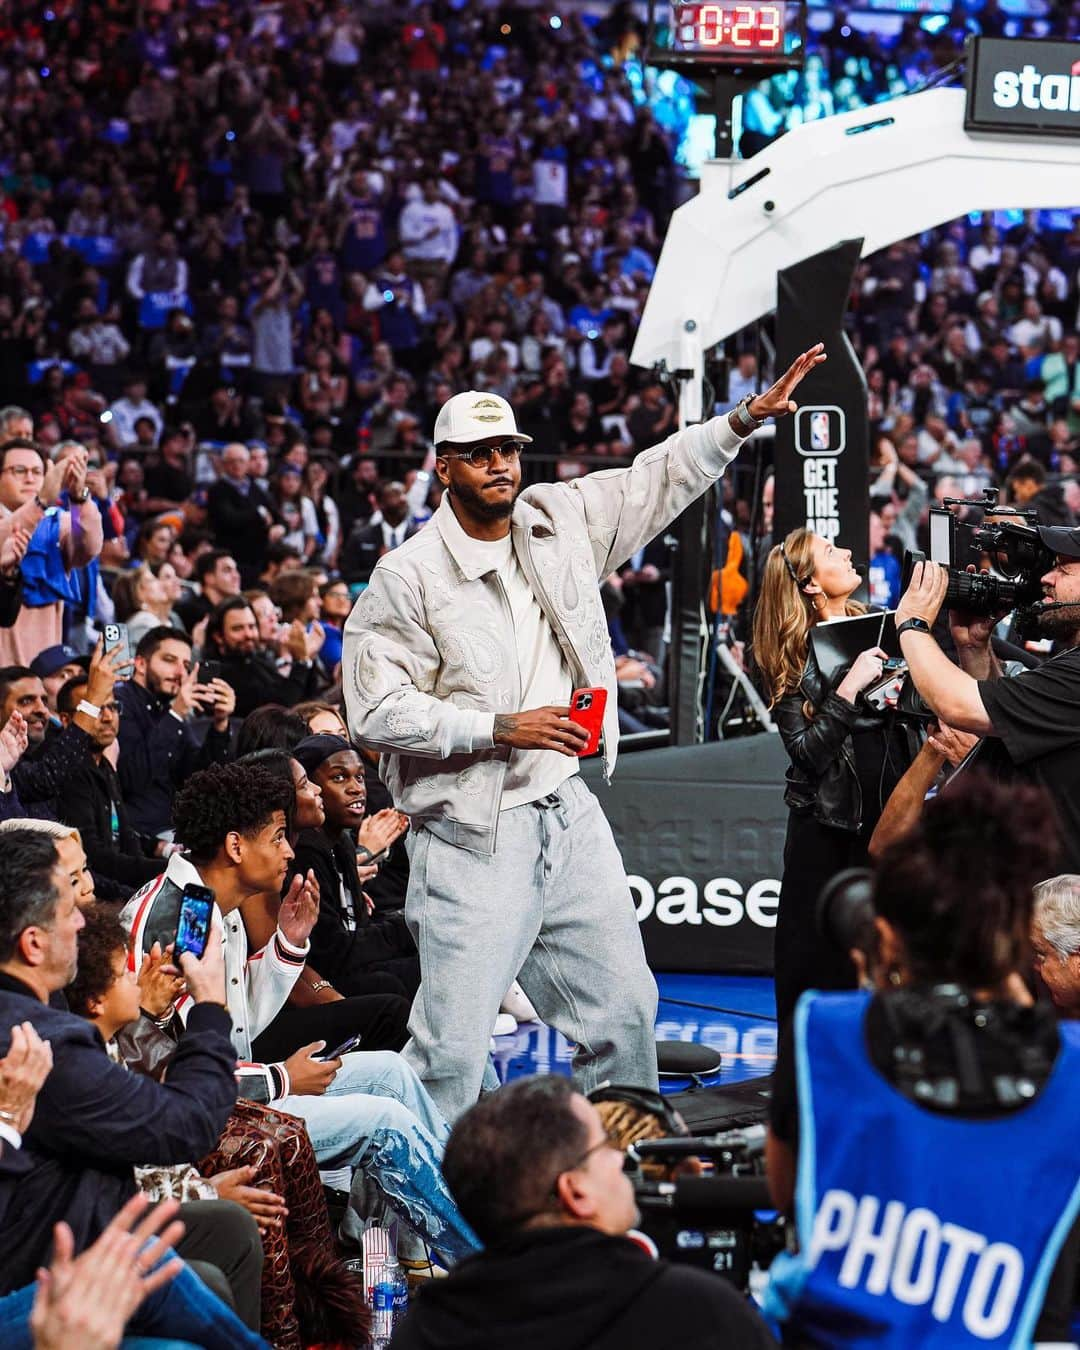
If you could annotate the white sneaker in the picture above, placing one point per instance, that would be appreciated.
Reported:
(517, 1004)
(505, 1025)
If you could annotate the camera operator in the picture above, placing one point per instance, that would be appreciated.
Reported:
(845, 759)
(1034, 713)
(913, 1099)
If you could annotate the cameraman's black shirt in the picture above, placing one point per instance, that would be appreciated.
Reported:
(1037, 716)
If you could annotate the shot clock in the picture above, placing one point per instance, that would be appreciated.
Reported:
(756, 33)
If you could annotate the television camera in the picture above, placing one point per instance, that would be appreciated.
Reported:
(995, 564)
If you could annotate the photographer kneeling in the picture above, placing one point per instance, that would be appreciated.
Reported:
(1034, 713)
(938, 1177)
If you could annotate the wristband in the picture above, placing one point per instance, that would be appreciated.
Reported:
(915, 625)
(40, 504)
(90, 709)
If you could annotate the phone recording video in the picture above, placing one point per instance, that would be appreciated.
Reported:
(115, 638)
(193, 924)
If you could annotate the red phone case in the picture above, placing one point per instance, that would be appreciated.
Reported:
(587, 710)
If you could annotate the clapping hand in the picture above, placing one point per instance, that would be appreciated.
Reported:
(75, 475)
(23, 1070)
(84, 1302)
(299, 909)
(160, 982)
(13, 550)
(14, 738)
(315, 640)
(381, 830)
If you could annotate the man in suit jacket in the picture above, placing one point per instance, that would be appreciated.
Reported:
(93, 1120)
(240, 513)
(368, 540)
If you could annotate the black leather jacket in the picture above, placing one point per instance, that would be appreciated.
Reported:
(822, 777)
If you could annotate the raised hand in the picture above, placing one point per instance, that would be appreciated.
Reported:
(84, 1302)
(53, 481)
(75, 474)
(222, 698)
(160, 983)
(14, 738)
(296, 641)
(205, 975)
(190, 694)
(13, 550)
(315, 640)
(22, 1072)
(924, 595)
(106, 670)
(379, 831)
(299, 909)
(777, 400)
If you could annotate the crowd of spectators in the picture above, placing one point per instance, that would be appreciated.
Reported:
(858, 56)
(243, 264)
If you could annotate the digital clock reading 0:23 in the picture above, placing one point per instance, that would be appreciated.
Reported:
(752, 31)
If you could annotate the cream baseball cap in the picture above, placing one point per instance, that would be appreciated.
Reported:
(474, 416)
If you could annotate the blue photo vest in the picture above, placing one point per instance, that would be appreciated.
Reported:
(916, 1228)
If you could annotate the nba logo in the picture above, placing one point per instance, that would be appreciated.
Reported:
(820, 429)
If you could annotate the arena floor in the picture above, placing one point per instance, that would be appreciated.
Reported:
(734, 1014)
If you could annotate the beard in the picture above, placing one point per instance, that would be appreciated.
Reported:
(480, 505)
(1063, 625)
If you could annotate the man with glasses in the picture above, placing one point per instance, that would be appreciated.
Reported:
(91, 801)
(459, 662)
(60, 541)
(1035, 714)
(545, 1190)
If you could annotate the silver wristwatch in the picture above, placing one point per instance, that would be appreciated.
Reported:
(744, 416)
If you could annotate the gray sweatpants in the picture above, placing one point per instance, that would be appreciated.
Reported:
(550, 907)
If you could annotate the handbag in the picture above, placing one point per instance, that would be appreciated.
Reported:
(308, 1295)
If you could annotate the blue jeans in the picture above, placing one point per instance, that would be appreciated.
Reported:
(183, 1312)
(376, 1115)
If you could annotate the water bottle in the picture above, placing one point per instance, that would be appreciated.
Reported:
(382, 1313)
(401, 1297)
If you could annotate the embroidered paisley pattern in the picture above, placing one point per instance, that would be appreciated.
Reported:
(411, 716)
(476, 651)
(373, 679)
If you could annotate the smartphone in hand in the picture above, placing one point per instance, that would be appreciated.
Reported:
(353, 1043)
(116, 639)
(587, 710)
(193, 924)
